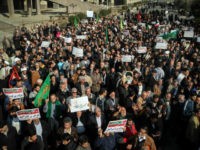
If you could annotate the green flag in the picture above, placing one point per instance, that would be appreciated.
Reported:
(75, 22)
(43, 94)
(171, 35)
(121, 24)
(106, 35)
(97, 19)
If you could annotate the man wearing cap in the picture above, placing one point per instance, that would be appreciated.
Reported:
(5, 70)
(24, 73)
(17, 63)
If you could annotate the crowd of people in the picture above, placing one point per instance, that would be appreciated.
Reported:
(158, 92)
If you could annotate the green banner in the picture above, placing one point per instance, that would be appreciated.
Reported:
(171, 35)
(75, 22)
(43, 94)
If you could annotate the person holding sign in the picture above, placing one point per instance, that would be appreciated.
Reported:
(14, 106)
(107, 140)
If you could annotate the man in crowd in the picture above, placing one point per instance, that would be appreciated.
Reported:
(161, 86)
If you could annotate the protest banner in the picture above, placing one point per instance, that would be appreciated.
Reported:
(68, 40)
(142, 49)
(171, 35)
(90, 14)
(161, 46)
(81, 37)
(78, 52)
(127, 58)
(182, 17)
(27, 114)
(142, 24)
(13, 93)
(45, 44)
(116, 126)
(189, 34)
(159, 39)
(79, 104)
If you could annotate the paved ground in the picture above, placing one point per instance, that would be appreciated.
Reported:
(7, 25)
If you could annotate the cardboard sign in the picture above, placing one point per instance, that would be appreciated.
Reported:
(127, 58)
(90, 14)
(161, 46)
(27, 114)
(78, 52)
(142, 50)
(81, 37)
(45, 44)
(68, 40)
(198, 39)
(116, 126)
(142, 24)
(13, 93)
(189, 34)
(79, 104)
(126, 32)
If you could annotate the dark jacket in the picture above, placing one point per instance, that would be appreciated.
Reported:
(10, 139)
(70, 146)
(38, 145)
(106, 143)
(123, 93)
(93, 126)
(73, 133)
(83, 119)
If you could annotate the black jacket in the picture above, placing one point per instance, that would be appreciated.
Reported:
(10, 139)
(38, 145)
